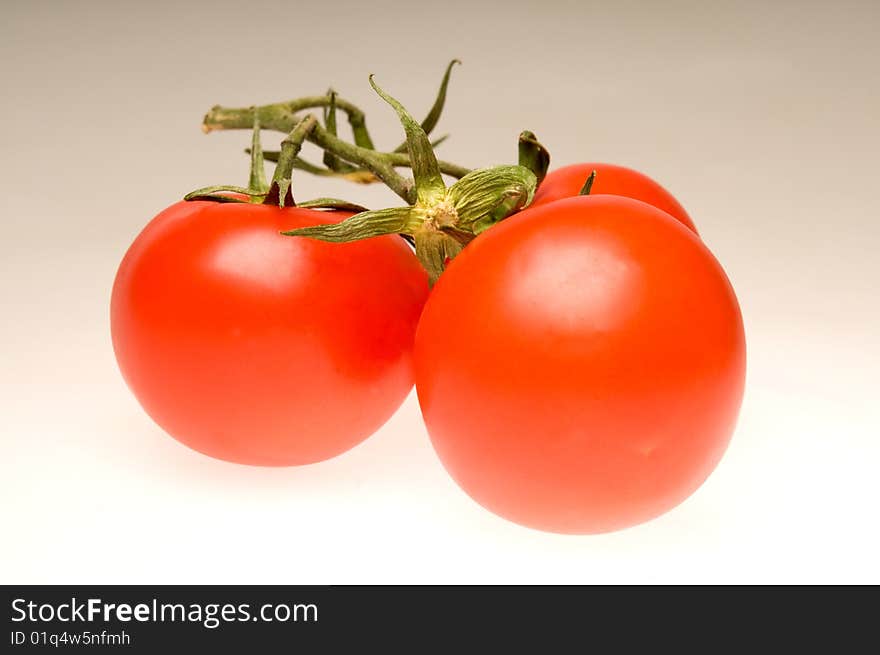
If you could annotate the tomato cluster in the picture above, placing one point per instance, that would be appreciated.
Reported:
(579, 366)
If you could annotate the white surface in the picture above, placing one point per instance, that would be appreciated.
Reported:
(761, 119)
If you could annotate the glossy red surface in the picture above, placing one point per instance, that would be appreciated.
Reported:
(567, 182)
(260, 348)
(581, 365)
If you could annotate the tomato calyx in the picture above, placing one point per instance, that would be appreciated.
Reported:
(441, 220)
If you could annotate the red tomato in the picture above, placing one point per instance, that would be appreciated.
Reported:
(580, 366)
(259, 348)
(613, 180)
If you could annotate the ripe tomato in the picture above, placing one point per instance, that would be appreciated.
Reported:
(580, 366)
(259, 348)
(566, 182)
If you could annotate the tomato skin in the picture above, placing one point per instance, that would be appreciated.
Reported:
(259, 348)
(580, 366)
(567, 182)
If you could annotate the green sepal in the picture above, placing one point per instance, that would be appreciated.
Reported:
(533, 155)
(588, 185)
(426, 171)
(215, 194)
(433, 250)
(365, 225)
(488, 195)
(430, 121)
(464, 237)
(332, 203)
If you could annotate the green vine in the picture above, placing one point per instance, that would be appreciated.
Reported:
(438, 220)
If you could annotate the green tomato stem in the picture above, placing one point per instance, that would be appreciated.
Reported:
(257, 181)
(356, 118)
(373, 161)
(374, 166)
(279, 191)
(279, 117)
(397, 159)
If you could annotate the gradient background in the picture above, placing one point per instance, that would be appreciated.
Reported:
(762, 117)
